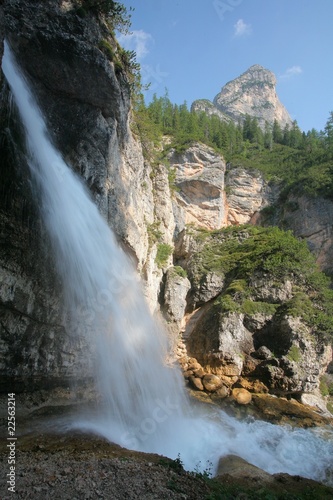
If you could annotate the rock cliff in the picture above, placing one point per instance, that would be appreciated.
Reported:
(199, 187)
(245, 330)
(253, 93)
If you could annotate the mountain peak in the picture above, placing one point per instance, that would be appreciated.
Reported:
(252, 93)
(256, 67)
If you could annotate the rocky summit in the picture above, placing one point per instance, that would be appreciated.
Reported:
(253, 93)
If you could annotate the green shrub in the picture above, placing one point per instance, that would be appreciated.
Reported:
(118, 67)
(326, 385)
(249, 307)
(227, 304)
(294, 354)
(239, 253)
(180, 271)
(323, 387)
(105, 47)
(163, 253)
(154, 232)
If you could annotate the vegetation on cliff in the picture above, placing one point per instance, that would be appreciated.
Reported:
(299, 159)
(244, 254)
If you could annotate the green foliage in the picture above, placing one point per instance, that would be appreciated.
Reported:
(232, 491)
(323, 387)
(180, 271)
(251, 308)
(154, 232)
(176, 465)
(245, 249)
(326, 385)
(172, 180)
(241, 252)
(204, 474)
(300, 161)
(116, 13)
(107, 49)
(294, 354)
(163, 253)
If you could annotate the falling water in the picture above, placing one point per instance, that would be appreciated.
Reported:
(143, 402)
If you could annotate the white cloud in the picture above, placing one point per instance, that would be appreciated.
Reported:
(137, 40)
(242, 29)
(290, 72)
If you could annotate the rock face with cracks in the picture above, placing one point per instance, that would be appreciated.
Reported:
(86, 102)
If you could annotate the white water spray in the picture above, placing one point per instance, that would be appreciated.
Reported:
(144, 405)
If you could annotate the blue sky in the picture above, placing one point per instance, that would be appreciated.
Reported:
(194, 47)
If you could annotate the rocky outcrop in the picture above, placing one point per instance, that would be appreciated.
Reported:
(207, 107)
(311, 219)
(247, 193)
(199, 187)
(254, 94)
(232, 467)
(256, 345)
(176, 287)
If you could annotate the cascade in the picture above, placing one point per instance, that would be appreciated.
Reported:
(144, 405)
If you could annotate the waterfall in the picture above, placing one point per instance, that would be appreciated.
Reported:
(143, 402)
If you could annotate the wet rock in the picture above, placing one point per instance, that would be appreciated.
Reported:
(252, 385)
(211, 383)
(283, 411)
(238, 467)
(249, 476)
(196, 383)
(241, 396)
(200, 372)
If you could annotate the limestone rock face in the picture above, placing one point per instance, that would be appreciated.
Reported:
(253, 93)
(86, 103)
(271, 350)
(311, 219)
(300, 359)
(199, 179)
(218, 343)
(224, 344)
(206, 106)
(247, 193)
(175, 292)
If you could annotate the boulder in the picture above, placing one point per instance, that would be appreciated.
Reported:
(238, 467)
(241, 396)
(211, 383)
(196, 383)
(175, 291)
